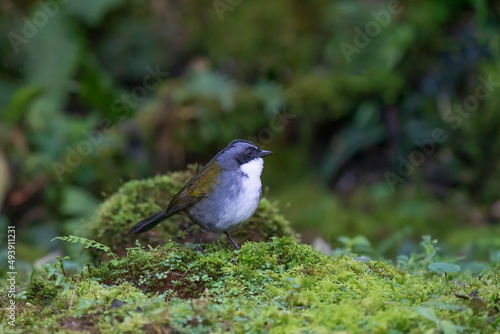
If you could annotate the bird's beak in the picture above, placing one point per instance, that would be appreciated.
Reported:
(264, 153)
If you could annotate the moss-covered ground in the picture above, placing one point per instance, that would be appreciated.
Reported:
(280, 286)
(274, 284)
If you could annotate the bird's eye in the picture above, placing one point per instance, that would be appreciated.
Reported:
(249, 152)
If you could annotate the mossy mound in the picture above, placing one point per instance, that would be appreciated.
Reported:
(279, 286)
(138, 199)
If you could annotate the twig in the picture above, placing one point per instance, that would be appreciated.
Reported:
(234, 258)
(72, 298)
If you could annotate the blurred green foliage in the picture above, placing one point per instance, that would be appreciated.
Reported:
(96, 93)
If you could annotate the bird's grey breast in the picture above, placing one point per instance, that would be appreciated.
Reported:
(233, 201)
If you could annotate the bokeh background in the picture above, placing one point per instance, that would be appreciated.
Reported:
(384, 116)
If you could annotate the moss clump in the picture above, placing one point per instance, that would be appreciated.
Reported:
(279, 286)
(136, 200)
(177, 271)
(40, 292)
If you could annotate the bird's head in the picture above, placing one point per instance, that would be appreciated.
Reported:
(244, 155)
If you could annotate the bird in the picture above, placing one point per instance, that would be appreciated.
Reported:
(222, 196)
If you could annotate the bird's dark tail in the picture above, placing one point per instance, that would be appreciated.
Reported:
(149, 223)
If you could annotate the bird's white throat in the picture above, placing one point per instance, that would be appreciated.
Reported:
(253, 168)
(240, 208)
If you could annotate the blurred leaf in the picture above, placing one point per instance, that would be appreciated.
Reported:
(20, 103)
(92, 11)
(210, 84)
(445, 306)
(272, 94)
(52, 59)
(361, 240)
(481, 10)
(427, 313)
(8, 88)
(365, 132)
(4, 177)
(41, 113)
(442, 267)
(393, 240)
(98, 90)
(449, 327)
(365, 115)
(78, 202)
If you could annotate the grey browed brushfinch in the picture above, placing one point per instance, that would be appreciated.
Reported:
(222, 196)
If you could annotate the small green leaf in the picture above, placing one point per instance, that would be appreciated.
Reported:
(426, 313)
(442, 267)
(449, 327)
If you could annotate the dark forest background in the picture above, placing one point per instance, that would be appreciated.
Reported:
(384, 116)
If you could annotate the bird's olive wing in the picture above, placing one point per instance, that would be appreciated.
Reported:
(196, 189)
(184, 199)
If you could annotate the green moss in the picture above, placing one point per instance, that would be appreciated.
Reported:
(281, 286)
(136, 200)
(41, 292)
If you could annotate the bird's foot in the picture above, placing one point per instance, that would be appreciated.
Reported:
(201, 241)
(231, 239)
